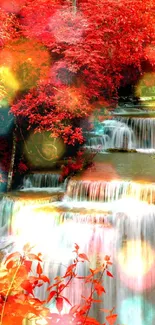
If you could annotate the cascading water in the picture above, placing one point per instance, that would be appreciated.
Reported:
(40, 182)
(124, 230)
(124, 133)
(144, 131)
(9, 207)
(102, 191)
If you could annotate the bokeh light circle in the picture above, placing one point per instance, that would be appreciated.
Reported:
(12, 6)
(68, 27)
(136, 311)
(41, 150)
(22, 63)
(146, 86)
(136, 263)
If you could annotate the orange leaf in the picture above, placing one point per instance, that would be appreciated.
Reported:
(12, 256)
(39, 269)
(59, 304)
(27, 248)
(70, 268)
(26, 285)
(99, 289)
(111, 319)
(44, 278)
(74, 309)
(34, 257)
(84, 257)
(10, 265)
(105, 310)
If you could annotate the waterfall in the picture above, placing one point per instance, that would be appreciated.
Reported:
(124, 133)
(103, 191)
(97, 142)
(40, 182)
(9, 207)
(123, 229)
(144, 131)
(129, 240)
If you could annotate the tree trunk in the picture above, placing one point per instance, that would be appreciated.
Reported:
(13, 154)
(74, 4)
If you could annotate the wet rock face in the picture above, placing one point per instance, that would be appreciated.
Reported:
(121, 150)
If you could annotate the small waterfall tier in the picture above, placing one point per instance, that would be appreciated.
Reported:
(41, 182)
(10, 205)
(124, 133)
(102, 191)
(123, 229)
(129, 240)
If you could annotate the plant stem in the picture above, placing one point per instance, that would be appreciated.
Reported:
(92, 292)
(8, 292)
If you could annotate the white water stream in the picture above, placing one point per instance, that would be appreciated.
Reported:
(124, 133)
(104, 218)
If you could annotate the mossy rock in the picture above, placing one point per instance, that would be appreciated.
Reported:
(121, 150)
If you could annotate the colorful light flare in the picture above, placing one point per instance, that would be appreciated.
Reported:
(13, 6)
(41, 227)
(34, 224)
(146, 88)
(136, 311)
(150, 53)
(41, 149)
(9, 84)
(136, 263)
(25, 60)
(67, 27)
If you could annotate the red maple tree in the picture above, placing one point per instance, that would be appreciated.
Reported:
(65, 60)
(89, 50)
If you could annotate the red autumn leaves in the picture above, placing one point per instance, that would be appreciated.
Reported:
(17, 285)
(81, 57)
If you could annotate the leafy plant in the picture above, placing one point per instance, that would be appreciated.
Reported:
(17, 285)
(76, 164)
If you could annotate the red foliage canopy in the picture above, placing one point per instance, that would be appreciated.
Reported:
(89, 49)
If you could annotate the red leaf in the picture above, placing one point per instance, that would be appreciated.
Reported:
(74, 309)
(10, 265)
(66, 300)
(109, 274)
(70, 268)
(44, 278)
(99, 289)
(77, 247)
(59, 304)
(84, 257)
(111, 319)
(26, 285)
(39, 269)
(28, 265)
(51, 295)
(15, 255)
(96, 300)
(61, 287)
(39, 285)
